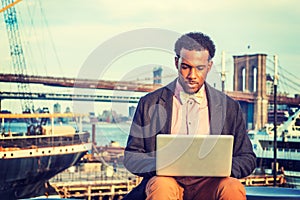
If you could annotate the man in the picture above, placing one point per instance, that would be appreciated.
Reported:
(169, 111)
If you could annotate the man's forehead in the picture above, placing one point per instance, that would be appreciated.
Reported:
(192, 54)
(184, 50)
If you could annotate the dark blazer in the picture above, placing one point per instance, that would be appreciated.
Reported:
(153, 116)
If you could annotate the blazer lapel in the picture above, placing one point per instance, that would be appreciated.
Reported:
(166, 102)
(217, 109)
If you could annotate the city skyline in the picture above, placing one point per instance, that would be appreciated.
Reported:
(59, 36)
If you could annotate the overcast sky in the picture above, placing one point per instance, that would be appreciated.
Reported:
(64, 34)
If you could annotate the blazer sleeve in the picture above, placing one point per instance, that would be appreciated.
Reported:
(138, 159)
(244, 159)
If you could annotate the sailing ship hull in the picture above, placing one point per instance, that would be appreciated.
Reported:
(27, 177)
(28, 162)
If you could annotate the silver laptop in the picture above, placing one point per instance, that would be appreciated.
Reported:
(194, 155)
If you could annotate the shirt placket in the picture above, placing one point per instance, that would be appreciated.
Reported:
(190, 117)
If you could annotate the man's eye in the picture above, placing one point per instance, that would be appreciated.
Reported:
(200, 68)
(184, 66)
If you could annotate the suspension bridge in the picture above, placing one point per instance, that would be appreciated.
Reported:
(252, 85)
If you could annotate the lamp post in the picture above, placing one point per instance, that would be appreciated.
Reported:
(275, 82)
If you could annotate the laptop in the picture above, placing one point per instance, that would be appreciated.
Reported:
(194, 155)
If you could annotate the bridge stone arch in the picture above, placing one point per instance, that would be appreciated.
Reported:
(250, 77)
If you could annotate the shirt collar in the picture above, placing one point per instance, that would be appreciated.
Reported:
(183, 96)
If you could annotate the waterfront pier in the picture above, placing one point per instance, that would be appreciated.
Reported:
(90, 181)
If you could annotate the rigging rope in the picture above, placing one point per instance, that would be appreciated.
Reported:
(51, 38)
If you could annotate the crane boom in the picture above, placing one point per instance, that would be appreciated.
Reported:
(16, 52)
(9, 5)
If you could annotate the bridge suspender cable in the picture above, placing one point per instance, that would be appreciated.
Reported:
(9, 5)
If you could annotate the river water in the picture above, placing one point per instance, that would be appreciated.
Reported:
(106, 133)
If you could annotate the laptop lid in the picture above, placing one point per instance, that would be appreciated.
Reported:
(194, 155)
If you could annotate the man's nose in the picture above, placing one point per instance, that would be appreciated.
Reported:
(192, 72)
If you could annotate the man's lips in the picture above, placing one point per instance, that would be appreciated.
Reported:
(192, 84)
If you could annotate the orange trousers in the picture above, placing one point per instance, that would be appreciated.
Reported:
(205, 188)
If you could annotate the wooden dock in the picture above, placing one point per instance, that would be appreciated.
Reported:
(90, 182)
(263, 180)
(100, 190)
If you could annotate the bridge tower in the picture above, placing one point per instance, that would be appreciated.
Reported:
(250, 77)
(157, 71)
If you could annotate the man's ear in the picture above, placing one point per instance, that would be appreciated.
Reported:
(176, 62)
(210, 65)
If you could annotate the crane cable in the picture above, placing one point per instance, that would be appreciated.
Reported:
(9, 5)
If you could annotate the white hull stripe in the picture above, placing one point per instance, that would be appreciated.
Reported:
(45, 151)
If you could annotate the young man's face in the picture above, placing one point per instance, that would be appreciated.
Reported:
(193, 67)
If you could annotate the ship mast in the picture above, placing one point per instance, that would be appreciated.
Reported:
(275, 118)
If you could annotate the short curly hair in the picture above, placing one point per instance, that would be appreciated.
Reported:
(195, 41)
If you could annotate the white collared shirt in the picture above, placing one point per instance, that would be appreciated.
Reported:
(189, 117)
